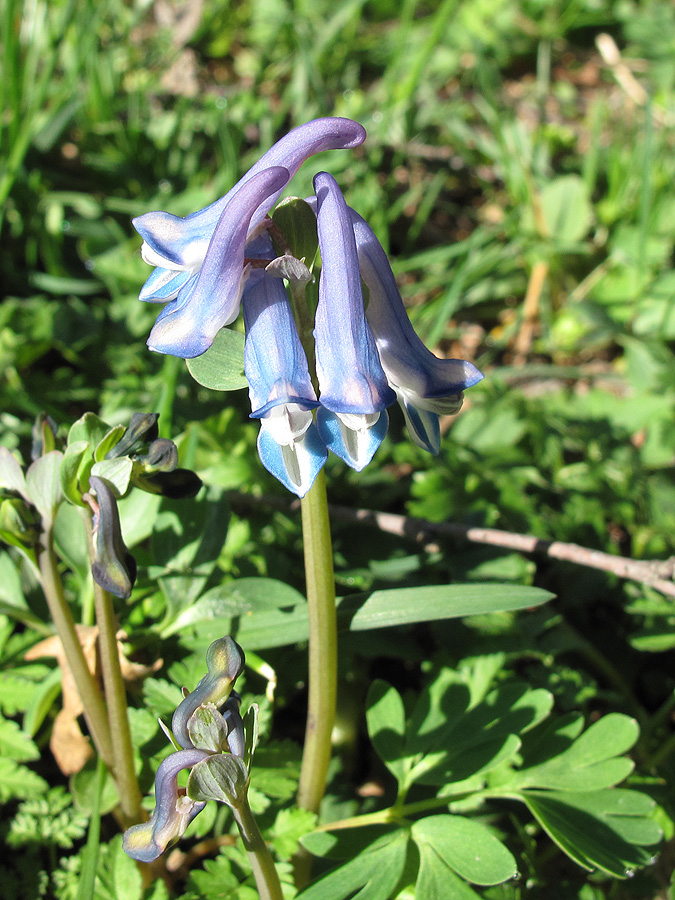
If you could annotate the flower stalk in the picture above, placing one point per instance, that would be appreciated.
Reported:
(322, 645)
(264, 870)
(88, 689)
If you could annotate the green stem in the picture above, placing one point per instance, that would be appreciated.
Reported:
(264, 870)
(89, 691)
(322, 659)
(116, 698)
(170, 370)
(322, 646)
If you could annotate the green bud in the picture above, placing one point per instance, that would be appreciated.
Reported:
(142, 430)
(296, 221)
(208, 729)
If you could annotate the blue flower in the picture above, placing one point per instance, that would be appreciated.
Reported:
(178, 246)
(426, 387)
(353, 387)
(187, 325)
(367, 355)
(280, 386)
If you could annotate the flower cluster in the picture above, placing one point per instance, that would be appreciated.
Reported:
(367, 356)
(208, 733)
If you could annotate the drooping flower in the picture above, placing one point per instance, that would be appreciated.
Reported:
(426, 387)
(177, 246)
(187, 325)
(280, 387)
(353, 387)
(173, 812)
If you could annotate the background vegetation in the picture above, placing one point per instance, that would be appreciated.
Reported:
(520, 169)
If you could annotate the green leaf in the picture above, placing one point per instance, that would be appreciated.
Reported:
(436, 881)
(127, 881)
(11, 474)
(42, 700)
(76, 460)
(138, 512)
(289, 826)
(567, 209)
(222, 777)
(88, 428)
(104, 446)
(372, 875)
(71, 540)
(385, 716)
(15, 743)
(43, 481)
(381, 609)
(117, 472)
(591, 762)
(467, 847)
(11, 589)
(18, 782)
(187, 538)
(221, 368)
(453, 741)
(403, 606)
(161, 696)
(596, 829)
(244, 597)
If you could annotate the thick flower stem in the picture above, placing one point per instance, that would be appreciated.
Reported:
(115, 694)
(88, 689)
(322, 658)
(264, 870)
(322, 646)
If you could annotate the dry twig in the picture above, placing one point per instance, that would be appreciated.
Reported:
(657, 574)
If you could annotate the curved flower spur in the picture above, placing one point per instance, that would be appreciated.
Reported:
(367, 355)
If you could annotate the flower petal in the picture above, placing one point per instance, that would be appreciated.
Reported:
(409, 365)
(351, 378)
(353, 438)
(187, 326)
(295, 463)
(173, 811)
(274, 359)
(164, 284)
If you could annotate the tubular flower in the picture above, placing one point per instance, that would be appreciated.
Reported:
(354, 392)
(173, 811)
(426, 387)
(177, 246)
(280, 387)
(367, 356)
(187, 325)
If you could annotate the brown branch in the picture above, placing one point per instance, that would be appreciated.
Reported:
(657, 574)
